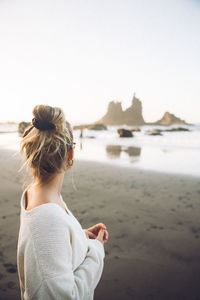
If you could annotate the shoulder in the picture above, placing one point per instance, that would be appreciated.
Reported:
(46, 210)
(48, 219)
(50, 232)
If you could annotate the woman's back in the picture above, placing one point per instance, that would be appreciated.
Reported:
(52, 248)
(56, 257)
(34, 198)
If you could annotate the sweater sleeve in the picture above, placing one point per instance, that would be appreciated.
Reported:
(53, 252)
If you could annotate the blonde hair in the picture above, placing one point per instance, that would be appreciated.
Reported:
(46, 150)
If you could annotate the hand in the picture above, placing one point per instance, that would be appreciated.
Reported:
(102, 236)
(92, 232)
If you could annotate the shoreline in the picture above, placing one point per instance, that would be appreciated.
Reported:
(152, 219)
(148, 155)
(137, 169)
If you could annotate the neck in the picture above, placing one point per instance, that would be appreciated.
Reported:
(54, 187)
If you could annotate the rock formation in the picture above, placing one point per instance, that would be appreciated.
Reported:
(169, 119)
(97, 126)
(176, 129)
(135, 129)
(131, 116)
(93, 126)
(154, 132)
(124, 133)
(114, 115)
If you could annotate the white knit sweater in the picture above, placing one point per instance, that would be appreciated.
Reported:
(55, 259)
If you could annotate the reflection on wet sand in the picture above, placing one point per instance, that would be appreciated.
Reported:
(81, 144)
(133, 151)
(114, 151)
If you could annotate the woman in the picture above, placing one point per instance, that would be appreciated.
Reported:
(56, 257)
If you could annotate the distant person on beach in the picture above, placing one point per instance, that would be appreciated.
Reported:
(56, 257)
(81, 133)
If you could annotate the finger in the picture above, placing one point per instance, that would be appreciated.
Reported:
(95, 229)
(106, 234)
(91, 235)
(99, 226)
(101, 233)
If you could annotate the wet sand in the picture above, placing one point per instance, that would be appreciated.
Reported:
(153, 221)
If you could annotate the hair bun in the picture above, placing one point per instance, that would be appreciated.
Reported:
(43, 125)
(46, 153)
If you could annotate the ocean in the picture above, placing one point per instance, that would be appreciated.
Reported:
(173, 152)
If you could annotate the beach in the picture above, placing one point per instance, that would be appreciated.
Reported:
(152, 220)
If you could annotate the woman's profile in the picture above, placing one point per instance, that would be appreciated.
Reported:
(56, 257)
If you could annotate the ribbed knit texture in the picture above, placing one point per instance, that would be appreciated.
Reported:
(55, 259)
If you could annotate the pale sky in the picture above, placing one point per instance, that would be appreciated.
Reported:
(81, 54)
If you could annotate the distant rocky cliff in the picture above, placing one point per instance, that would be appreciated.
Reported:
(116, 116)
(133, 115)
(169, 119)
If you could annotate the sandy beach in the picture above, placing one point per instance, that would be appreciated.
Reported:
(152, 219)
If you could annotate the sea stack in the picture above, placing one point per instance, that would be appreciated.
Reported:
(114, 115)
(131, 116)
(170, 119)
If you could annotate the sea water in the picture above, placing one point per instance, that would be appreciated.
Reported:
(173, 152)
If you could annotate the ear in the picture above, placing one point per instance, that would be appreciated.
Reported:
(70, 156)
